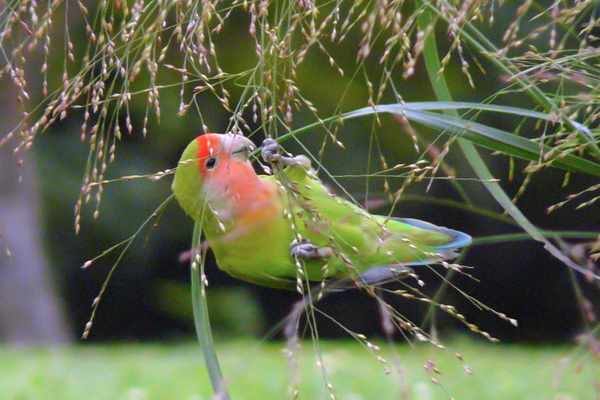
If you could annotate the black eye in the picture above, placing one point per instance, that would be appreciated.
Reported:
(211, 163)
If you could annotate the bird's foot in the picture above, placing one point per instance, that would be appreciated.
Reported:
(271, 153)
(308, 251)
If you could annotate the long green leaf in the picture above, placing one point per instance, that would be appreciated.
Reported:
(483, 135)
(202, 321)
(480, 134)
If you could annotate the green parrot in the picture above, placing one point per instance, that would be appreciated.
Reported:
(285, 229)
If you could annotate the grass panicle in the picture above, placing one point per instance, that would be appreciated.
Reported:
(136, 54)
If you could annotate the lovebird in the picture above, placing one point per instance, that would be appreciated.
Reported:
(284, 229)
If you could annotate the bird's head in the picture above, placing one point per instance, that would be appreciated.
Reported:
(208, 163)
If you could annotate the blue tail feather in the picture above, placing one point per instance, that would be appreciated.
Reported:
(460, 239)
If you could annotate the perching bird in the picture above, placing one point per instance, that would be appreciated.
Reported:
(275, 230)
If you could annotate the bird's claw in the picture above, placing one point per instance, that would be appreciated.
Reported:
(308, 251)
(271, 153)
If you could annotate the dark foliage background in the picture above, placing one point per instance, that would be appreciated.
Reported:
(148, 296)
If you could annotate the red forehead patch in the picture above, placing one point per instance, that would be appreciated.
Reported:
(208, 145)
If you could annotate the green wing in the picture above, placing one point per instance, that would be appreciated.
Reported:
(363, 241)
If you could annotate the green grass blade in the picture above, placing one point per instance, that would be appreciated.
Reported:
(486, 48)
(458, 105)
(442, 92)
(202, 321)
(511, 237)
(483, 135)
(480, 134)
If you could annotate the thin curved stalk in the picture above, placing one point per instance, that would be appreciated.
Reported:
(202, 321)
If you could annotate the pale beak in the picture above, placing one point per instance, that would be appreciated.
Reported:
(237, 145)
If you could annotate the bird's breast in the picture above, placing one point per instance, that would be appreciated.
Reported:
(244, 206)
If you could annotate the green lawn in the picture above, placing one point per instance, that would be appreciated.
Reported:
(256, 370)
